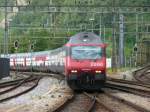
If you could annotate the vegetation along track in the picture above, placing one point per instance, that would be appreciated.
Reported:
(143, 75)
(97, 102)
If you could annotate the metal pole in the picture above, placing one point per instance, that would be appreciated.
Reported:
(6, 32)
(121, 41)
(31, 60)
(16, 61)
(100, 26)
(31, 55)
(113, 46)
(136, 39)
(113, 40)
(104, 33)
(136, 28)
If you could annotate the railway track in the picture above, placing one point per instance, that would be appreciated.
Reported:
(42, 74)
(78, 103)
(12, 86)
(128, 103)
(128, 82)
(98, 105)
(10, 83)
(96, 102)
(129, 89)
(12, 89)
(14, 81)
(142, 75)
(83, 102)
(27, 82)
(109, 108)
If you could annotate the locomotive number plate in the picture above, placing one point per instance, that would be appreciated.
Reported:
(96, 64)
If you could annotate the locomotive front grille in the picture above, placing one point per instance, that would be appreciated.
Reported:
(85, 77)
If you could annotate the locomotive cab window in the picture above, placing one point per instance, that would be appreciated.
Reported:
(86, 52)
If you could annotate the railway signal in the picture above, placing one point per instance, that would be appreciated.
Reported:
(16, 44)
(32, 46)
(135, 48)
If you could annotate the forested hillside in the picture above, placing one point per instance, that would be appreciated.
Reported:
(48, 30)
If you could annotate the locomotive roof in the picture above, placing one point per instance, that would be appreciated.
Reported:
(85, 38)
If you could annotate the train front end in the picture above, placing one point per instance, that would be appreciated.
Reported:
(85, 66)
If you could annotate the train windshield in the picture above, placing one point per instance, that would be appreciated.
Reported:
(86, 52)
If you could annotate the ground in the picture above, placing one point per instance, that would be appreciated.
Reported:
(51, 93)
(46, 96)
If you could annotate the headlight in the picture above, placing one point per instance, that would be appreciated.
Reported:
(98, 71)
(73, 71)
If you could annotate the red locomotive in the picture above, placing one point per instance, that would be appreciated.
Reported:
(85, 61)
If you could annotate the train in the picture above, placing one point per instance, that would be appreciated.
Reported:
(82, 60)
(85, 61)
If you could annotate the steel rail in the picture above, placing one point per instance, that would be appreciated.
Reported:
(64, 104)
(138, 74)
(135, 91)
(91, 107)
(137, 107)
(29, 79)
(10, 83)
(69, 101)
(94, 97)
(57, 76)
(128, 82)
(21, 93)
(13, 82)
